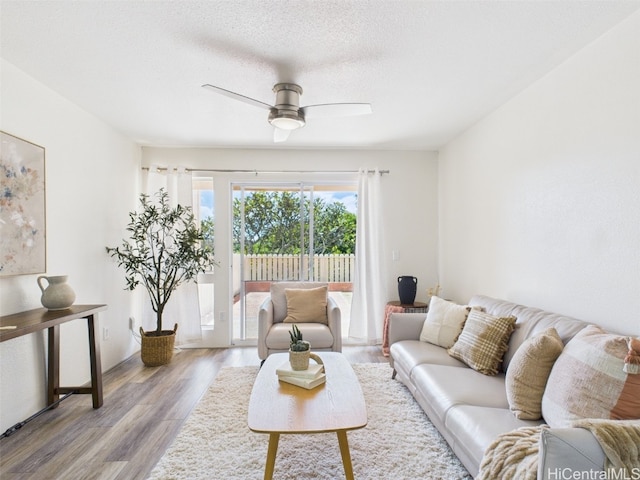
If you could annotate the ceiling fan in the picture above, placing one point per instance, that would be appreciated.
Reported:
(287, 114)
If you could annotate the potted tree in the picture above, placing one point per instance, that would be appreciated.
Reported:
(164, 250)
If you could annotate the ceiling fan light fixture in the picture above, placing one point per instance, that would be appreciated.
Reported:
(286, 120)
(287, 115)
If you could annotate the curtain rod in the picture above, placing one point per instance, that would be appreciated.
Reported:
(224, 170)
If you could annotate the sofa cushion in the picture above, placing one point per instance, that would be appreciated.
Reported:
(444, 322)
(588, 381)
(476, 427)
(444, 386)
(530, 322)
(408, 354)
(528, 372)
(483, 341)
(306, 305)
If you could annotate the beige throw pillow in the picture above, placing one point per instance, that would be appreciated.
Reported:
(483, 341)
(306, 305)
(588, 381)
(529, 371)
(444, 322)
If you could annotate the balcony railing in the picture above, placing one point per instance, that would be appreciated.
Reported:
(261, 270)
(325, 268)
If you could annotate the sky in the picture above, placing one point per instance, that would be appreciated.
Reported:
(349, 199)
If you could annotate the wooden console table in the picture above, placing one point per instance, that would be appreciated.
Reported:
(23, 323)
(397, 307)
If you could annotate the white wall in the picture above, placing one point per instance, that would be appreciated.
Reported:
(409, 193)
(540, 201)
(92, 177)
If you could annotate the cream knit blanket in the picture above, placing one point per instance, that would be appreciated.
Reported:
(515, 454)
(620, 441)
(512, 455)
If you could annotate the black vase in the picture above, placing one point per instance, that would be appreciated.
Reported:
(407, 287)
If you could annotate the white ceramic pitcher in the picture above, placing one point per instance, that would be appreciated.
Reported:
(58, 295)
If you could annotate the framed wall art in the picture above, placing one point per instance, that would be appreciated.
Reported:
(22, 207)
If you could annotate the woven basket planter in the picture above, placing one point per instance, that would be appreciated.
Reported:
(299, 360)
(157, 349)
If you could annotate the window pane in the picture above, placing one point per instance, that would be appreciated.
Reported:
(203, 210)
(290, 233)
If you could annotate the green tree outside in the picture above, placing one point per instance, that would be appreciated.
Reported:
(273, 225)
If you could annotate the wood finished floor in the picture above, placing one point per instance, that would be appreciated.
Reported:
(143, 411)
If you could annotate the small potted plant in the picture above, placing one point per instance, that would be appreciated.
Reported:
(299, 350)
(165, 249)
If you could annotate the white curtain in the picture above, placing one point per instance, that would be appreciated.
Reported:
(367, 305)
(183, 307)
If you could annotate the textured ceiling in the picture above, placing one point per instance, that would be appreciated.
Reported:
(429, 69)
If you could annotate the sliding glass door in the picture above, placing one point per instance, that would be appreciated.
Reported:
(289, 232)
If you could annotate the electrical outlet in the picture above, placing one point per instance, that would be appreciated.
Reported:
(105, 333)
(222, 316)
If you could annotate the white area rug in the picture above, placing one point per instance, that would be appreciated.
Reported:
(399, 441)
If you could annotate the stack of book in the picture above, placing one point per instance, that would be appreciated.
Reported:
(309, 378)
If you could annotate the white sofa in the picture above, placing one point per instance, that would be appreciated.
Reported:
(471, 409)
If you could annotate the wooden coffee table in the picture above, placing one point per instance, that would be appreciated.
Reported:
(280, 408)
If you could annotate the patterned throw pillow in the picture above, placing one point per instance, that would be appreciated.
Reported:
(588, 381)
(529, 371)
(306, 305)
(444, 322)
(483, 341)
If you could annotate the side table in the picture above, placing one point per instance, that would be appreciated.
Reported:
(397, 307)
(23, 323)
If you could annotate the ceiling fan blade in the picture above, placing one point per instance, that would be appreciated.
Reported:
(336, 110)
(237, 96)
(280, 135)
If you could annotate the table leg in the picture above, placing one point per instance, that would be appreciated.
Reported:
(96, 363)
(346, 456)
(53, 367)
(271, 455)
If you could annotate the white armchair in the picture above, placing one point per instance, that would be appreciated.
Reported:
(273, 332)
